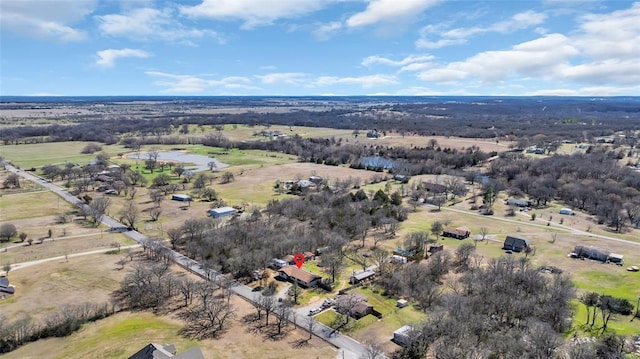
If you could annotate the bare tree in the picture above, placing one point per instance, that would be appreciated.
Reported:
(129, 213)
(268, 304)
(310, 324)
(156, 197)
(372, 351)
(97, 209)
(7, 268)
(155, 213)
(282, 311)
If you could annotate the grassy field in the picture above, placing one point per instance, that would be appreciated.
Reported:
(35, 155)
(30, 205)
(118, 336)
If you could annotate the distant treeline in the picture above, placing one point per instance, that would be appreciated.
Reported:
(492, 118)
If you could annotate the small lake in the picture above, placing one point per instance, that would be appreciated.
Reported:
(201, 162)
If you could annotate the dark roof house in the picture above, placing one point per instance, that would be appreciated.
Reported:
(518, 202)
(434, 187)
(457, 233)
(516, 244)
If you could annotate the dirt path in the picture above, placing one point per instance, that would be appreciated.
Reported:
(17, 266)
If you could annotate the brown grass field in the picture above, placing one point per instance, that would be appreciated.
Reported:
(41, 289)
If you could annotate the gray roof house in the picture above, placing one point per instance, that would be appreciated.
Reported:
(166, 351)
(402, 336)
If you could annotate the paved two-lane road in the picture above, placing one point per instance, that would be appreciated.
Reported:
(350, 347)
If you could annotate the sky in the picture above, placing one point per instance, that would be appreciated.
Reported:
(319, 47)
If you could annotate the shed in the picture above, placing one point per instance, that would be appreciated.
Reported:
(181, 197)
(567, 211)
(616, 258)
(402, 336)
(401, 303)
(516, 244)
(222, 212)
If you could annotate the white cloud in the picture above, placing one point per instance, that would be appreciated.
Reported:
(461, 35)
(45, 19)
(252, 12)
(389, 11)
(379, 60)
(108, 57)
(325, 31)
(150, 24)
(600, 54)
(613, 35)
(541, 58)
(291, 78)
(195, 84)
(364, 81)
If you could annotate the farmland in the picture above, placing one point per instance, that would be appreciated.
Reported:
(255, 183)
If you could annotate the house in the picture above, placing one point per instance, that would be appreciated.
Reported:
(355, 304)
(516, 244)
(434, 187)
(590, 252)
(406, 253)
(358, 277)
(300, 276)
(160, 351)
(567, 211)
(181, 197)
(104, 178)
(403, 335)
(457, 233)
(222, 212)
(518, 202)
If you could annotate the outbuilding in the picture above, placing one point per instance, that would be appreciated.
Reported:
(222, 212)
(361, 276)
(181, 197)
(567, 211)
(402, 336)
(516, 244)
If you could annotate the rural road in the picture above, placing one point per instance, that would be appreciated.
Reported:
(555, 226)
(349, 348)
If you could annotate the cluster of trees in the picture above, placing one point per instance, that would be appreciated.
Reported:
(607, 305)
(592, 182)
(323, 219)
(64, 321)
(151, 284)
(506, 309)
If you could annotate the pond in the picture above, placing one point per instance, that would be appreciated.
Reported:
(201, 163)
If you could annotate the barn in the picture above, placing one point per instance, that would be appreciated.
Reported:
(516, 244)
(181, 197)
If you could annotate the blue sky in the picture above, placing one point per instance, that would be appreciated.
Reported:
(319, 47)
